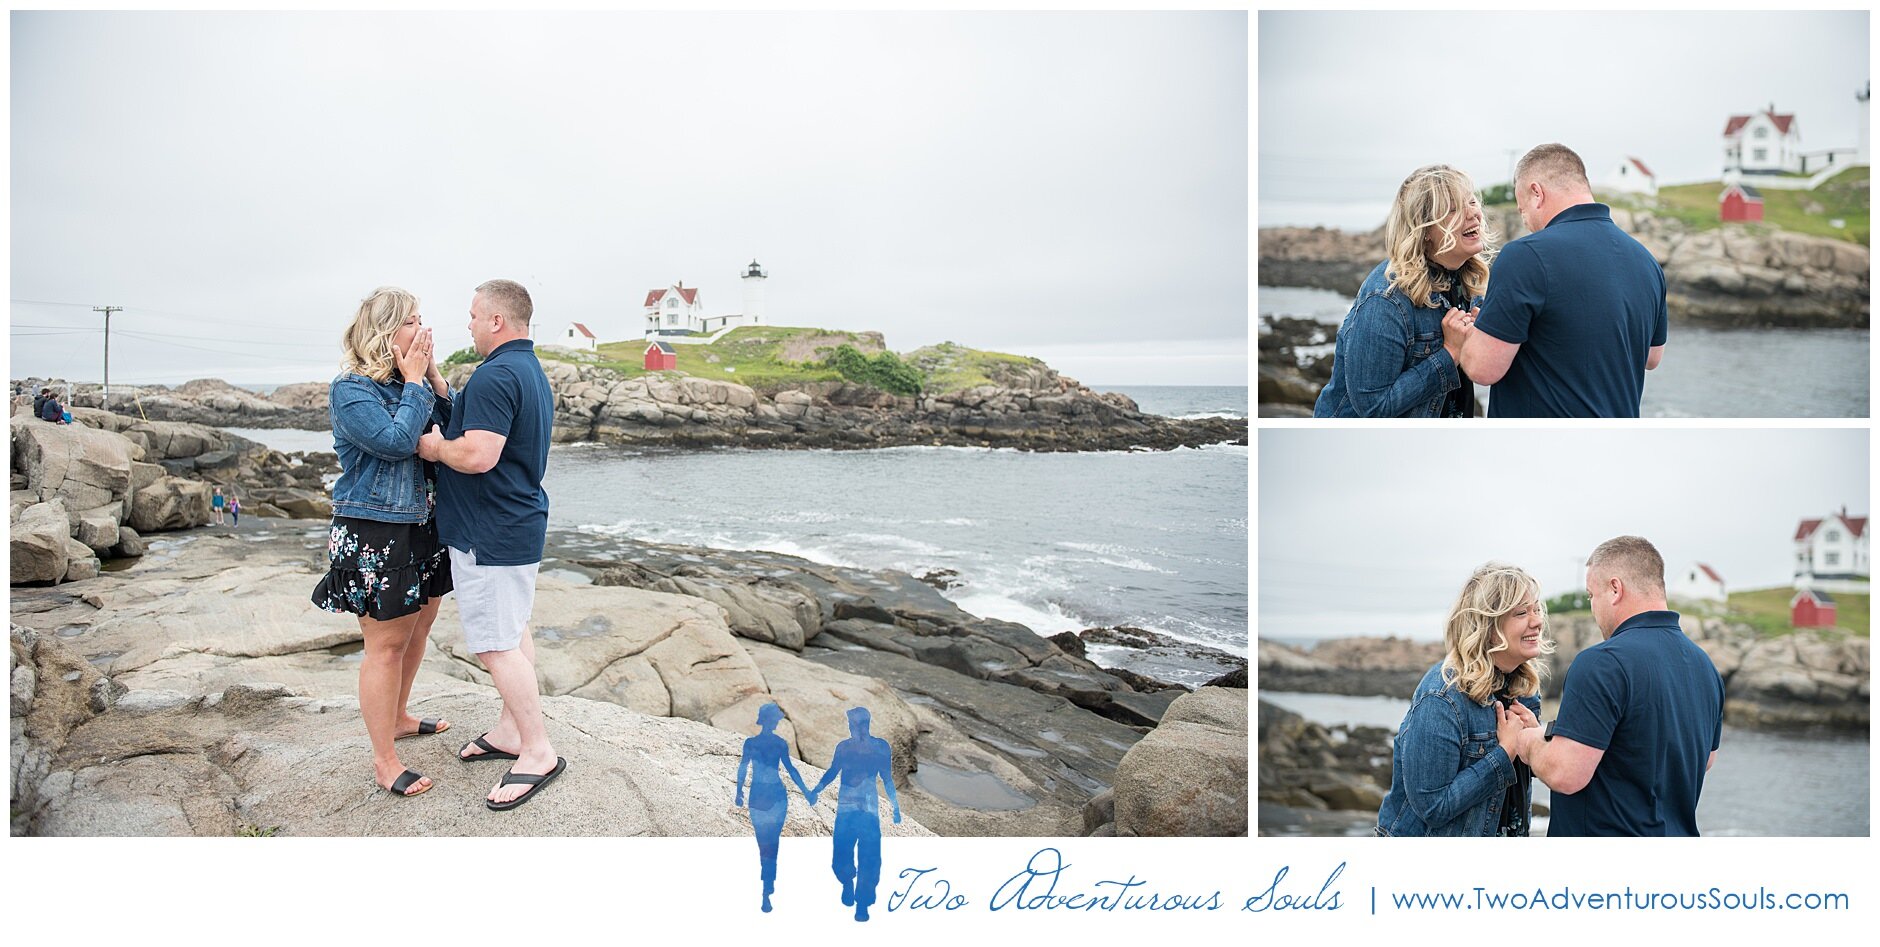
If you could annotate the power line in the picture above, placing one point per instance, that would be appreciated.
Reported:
(169, 335)
(189, 317)
(200, 348)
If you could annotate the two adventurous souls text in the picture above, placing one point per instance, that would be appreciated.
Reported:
(1047, 885)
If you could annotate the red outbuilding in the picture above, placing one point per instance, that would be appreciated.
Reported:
(660, 357)
(1811, 609)
(1740, 202)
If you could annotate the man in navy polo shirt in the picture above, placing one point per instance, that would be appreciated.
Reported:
(493, 515)
(1575, 313)
(1641, 713)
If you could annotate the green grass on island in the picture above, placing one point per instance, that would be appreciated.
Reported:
(749, 355)
(1767, 610)
(950, 366)
(1842, 197)
(768, 358)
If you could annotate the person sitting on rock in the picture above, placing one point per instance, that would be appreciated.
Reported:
(39, 402)
(52, 410)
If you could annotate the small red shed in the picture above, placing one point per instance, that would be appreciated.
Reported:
(660, 357)
(1740, 202)
(1811, 609)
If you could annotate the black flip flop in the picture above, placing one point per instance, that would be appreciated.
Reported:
(426, 727)
(405, 781)
(489, 752)
(535, 784)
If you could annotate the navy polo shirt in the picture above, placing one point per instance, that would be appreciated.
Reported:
(1586, 303)
(1652, 700)
(502, 513)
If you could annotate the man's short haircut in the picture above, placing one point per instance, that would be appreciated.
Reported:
(1633, 559)
(509, 298)
(1554, 165)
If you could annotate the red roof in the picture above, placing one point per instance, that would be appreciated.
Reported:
(689, 294)
(1855, 524)
(584, 330)
(1737, 122)
(1714, 577)
(1641, 166)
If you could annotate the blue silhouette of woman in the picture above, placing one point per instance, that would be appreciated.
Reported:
(770, 801)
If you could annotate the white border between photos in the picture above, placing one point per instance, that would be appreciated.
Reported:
(1583, 866)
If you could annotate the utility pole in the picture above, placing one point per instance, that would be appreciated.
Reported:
(105, 402)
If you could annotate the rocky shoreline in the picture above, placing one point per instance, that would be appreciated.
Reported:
(1036, 410)
(171, 678)
(197, 692)
(1734, 277)
(1330, 779)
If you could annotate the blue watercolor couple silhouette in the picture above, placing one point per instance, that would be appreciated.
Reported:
(859, 762)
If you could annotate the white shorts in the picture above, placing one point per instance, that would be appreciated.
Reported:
(493, 602)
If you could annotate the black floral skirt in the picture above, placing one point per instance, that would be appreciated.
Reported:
(382, 570)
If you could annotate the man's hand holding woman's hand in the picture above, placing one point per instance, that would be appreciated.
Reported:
(1456, 328)
(1510, 721)
(431, 444)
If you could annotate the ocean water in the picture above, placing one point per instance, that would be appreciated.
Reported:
(1706, 373)
(1763, 784)
(1054, 541)
(1186, 401)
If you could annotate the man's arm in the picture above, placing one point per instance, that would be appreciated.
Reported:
(473, 453)
(1652, 358)
(1712, 761)
(1517, 294)
(1564, 764)
(1485, 359)
(887, 779)
(829, 775)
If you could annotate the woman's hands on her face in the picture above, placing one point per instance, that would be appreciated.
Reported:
(1456, 328)
(415, 363)
(1510, 720)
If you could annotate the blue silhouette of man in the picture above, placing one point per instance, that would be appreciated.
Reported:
(859, 760)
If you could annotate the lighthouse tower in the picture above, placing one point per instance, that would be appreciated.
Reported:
(753, 280)
(1860, 147)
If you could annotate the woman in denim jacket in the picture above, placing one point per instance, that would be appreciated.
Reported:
(1395, 356)
(1453, 766)
(387, 566)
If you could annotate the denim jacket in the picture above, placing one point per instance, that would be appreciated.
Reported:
(1389, 360)
(375, 433)
(1448, 774)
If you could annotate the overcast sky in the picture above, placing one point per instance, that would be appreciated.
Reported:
(1072, 186)
(1373, 532)
(1350, 103)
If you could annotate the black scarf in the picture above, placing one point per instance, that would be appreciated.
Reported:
(1515, 810)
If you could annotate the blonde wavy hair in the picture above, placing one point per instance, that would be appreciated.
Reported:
(1471, 639)
(1429, 197)
(367, 345)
